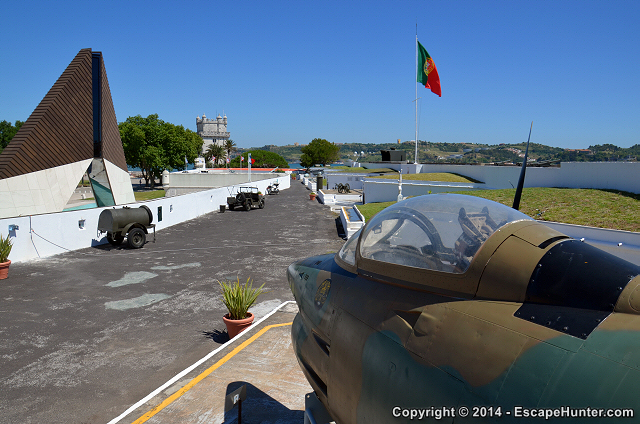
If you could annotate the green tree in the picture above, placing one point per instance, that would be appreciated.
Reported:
(215, 151)
(319, 151)
(230, 147)
(154, 145)
(262, 158)
(7, 131)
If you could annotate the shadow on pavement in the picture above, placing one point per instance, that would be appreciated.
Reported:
(217, 336)
(259, 407)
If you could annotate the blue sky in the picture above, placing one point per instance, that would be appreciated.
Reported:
(291, 71)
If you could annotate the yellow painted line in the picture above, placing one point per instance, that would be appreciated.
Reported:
(204, 374)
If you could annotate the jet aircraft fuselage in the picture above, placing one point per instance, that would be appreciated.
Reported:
(446, 302)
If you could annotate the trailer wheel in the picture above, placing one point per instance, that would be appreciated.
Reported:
(136, 238)
(115, 240)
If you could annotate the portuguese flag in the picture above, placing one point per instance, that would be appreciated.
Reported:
(427, 72)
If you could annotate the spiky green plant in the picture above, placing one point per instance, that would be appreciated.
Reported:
(5, 248)
(238, 298)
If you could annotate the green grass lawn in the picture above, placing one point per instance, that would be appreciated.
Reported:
(595, 208)
(148, 195)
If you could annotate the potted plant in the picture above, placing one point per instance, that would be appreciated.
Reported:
(5, 249)
(238, 298)
(312, 195)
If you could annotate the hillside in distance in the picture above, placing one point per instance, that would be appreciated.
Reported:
(429, 152)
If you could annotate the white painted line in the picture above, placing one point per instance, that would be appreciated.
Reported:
(194, 366)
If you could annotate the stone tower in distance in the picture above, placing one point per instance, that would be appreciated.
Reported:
(212, 130)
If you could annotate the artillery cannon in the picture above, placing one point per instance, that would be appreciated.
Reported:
(132, 223)
(343, 188)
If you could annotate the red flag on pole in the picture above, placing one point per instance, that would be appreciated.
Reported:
(427, 71)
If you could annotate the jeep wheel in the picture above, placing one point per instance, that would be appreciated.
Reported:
(261, 204)
(247, 206)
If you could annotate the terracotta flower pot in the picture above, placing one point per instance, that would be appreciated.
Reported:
(237, 326)
(4, 270)
(312, 196)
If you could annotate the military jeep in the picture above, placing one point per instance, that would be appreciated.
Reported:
(247, 197)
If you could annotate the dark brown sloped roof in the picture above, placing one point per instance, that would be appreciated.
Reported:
(60, 129)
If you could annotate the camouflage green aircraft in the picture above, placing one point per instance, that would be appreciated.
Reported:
(452, 308)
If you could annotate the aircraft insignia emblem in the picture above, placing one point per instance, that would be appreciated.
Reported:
(322, 293)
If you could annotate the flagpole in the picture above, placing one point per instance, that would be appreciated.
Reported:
(415, 160)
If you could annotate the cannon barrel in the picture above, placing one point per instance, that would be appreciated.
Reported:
(114, 220)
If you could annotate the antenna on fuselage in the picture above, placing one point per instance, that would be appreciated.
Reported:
(516, 199)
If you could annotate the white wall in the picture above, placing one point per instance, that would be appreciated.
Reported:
(351, 227)
(332, 198)
(309, 183)
(354, 180)
(43, 191)
(406, 168)
(216, 179)
(49, 190)
(623, 176)
(325, 198)
(120, 183)
(60, 232)
(387, 190)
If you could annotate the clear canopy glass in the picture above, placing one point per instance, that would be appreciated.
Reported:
(441, 232)
(348, 251)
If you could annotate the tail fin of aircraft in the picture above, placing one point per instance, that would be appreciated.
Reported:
(516, 199)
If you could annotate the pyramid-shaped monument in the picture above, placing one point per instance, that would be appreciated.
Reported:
(73, 130)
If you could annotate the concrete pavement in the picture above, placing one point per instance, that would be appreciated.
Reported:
(87, 334)
(262, 359)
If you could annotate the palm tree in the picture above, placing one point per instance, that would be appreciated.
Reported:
(230, 147)
(215, 151)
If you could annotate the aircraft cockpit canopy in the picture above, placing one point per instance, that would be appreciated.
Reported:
(441, 232)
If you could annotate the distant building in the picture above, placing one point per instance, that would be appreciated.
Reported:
(199, 163)
(212, 130)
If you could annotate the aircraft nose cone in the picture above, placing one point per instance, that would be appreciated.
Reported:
(291, 271)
